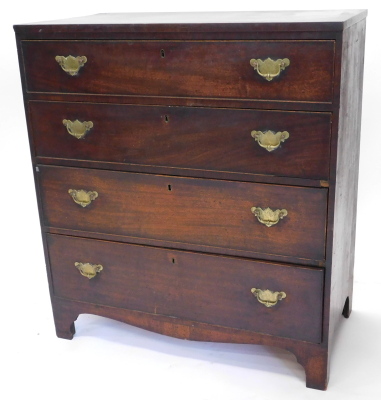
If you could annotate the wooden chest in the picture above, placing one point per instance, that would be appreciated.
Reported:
(196, 174)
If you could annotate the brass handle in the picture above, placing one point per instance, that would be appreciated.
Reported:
(269, 69)
(71, 65)
(88, 270)
(267, 297)
(270, 140)
(82, 197)
(267, 216)
(77, 129)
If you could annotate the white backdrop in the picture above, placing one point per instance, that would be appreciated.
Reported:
(111, 360)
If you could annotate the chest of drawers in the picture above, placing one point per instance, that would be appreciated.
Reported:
(196, 174)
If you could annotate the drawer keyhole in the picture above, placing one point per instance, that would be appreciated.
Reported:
(162, 53)
(169, 187)
(166, 118)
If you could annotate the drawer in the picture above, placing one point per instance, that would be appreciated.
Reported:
(185, 137)
(203, 69)
(192, 286)
(211, 213)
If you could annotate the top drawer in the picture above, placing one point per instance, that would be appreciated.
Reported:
(203, 69)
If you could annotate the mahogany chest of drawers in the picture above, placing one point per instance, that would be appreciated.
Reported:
(196, 174)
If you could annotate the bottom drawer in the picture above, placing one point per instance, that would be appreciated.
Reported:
(193, 286)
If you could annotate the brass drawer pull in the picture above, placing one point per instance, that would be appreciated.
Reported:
(71, 65)
(269, 69)
(270, 140)
(88, 270)
(82, 197)
(267, 216)
(77, 128)
(267, 297)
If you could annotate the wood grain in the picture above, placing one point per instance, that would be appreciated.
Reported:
(194, 211)
(202, 67)
(198, 22)
(344, 195)
(185, 137)
(207, 69)
(311, 356)
(175, 101)
(197, 287)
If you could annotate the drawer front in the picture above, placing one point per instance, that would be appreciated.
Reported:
(197, 287)
(204, 69)
(187, 210)
(185, 137)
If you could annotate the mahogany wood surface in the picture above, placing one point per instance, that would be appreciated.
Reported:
(173, 101)
(343, 232)
(207, 89)
(198, 22)
(194, 211)
(197, 287)
(208, 69)
(185, 137)
(252, 253)
(311, 356)
(196, 173)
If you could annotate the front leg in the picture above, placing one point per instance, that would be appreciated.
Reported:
(315, 364)
(316, 368)
(64, 318)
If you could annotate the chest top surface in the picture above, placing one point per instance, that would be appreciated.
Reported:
(265, 21)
